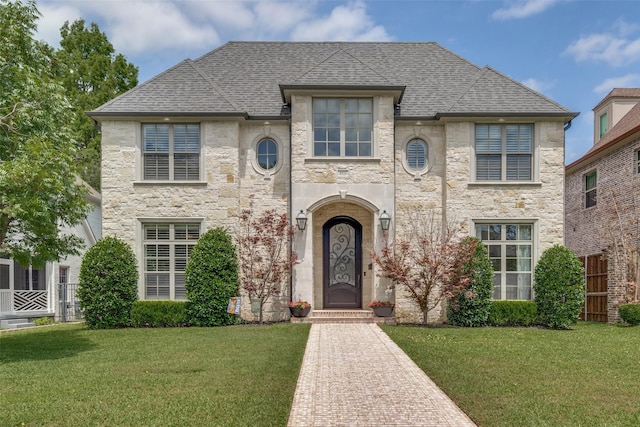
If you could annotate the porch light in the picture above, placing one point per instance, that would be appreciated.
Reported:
(385, 220)
(301, 220)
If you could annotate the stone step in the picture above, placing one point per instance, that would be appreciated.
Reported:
(343, 316)
(16, 323)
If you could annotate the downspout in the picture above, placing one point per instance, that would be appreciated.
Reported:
(291, 217)
(567, 126)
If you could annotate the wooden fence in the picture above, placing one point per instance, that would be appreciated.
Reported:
(596, 301)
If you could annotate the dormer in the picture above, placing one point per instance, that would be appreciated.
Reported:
(612, 108)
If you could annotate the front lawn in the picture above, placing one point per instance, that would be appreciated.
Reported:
(70, 376)
(589, 376)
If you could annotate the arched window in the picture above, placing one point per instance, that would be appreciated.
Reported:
(416, 154)
(267, 154)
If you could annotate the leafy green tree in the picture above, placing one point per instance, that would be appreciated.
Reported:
(559, 287)
(472, 306)
(92, 74)
(211, 278)
(108, 284)
(39, 191)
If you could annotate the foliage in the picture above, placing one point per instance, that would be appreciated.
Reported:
(108, 284)
(377, 303)
(39, 193)
(92, 74)
(429, 263)
(150, 377)
(299, 304)
(159, 314)
(43, 321)
(211, 278)
(512, 313)
(630, 313)
(559, 287)
(265, 255)
(530, 377)
(472, 307)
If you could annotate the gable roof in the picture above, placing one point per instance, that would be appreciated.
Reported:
(627, 126)
(246, 78)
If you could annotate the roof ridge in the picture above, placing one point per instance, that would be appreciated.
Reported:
(212, 84)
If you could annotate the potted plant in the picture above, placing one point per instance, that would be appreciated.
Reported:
(382, 308)
(299, 308)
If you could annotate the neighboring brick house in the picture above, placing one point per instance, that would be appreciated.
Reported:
(602, 194)
(344, 134)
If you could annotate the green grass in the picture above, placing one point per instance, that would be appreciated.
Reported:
(70, 376)
(588, 376)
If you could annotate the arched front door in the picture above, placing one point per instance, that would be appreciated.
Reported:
(342, 263)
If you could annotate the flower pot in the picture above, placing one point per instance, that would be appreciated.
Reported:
(299, 312)
(383, 311)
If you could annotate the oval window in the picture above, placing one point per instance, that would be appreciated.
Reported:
(416, 154)
(267, 154)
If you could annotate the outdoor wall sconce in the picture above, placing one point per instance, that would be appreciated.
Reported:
(385, 220)
(301, 220)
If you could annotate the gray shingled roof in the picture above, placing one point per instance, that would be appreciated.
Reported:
(246, 77)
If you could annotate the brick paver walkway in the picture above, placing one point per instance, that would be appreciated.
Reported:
(354, 375)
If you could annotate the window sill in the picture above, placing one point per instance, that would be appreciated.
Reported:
(338, 159)
(170, 183)
(504, 183)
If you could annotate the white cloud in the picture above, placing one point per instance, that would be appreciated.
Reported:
(613, 48)
(538, 85)
(53, 17)
(349, 22)
(630, 80)
(522, 9)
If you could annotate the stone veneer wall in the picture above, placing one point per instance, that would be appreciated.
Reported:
(227, 181)
(616, 214)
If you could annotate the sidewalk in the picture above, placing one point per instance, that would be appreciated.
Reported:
(354, 375)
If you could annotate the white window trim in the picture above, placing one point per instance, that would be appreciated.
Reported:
(375, 100)
(253, 156)
(139, 158)
(535, 154)
(140, 240)
(417, 173)
(535, 238)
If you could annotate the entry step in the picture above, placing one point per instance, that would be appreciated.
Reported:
(343, 316)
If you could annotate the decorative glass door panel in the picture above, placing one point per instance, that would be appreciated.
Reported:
(342, 246)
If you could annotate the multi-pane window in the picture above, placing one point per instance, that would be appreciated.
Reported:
(504, 152)
(267, 154)
(416, 154)
(171, 152)
(590, 189)
(604, 124)
(510, 248)
(637, 161)
(342, 127)
(166, 251)
(63, 275)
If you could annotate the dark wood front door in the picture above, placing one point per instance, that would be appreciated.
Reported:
(342, 263)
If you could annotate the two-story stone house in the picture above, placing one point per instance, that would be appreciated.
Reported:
(343, 134)
(603, 205)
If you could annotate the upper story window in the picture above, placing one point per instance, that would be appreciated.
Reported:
(267, 154)
(342, 127)
(604, 124)
(637, 161)
(504, 152)
(416, 154)
(590, 189)
(171, 152)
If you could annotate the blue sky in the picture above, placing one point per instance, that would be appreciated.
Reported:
(573, 51)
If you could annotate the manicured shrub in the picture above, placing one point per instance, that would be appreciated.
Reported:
(630, 313)
(108, 284)
(211, 278)
(559, 288)
(471, 307)
(159, 314)
(512, 313)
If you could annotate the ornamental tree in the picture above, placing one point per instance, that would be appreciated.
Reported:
(39, 191)
(429, 263)
(265, 255)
